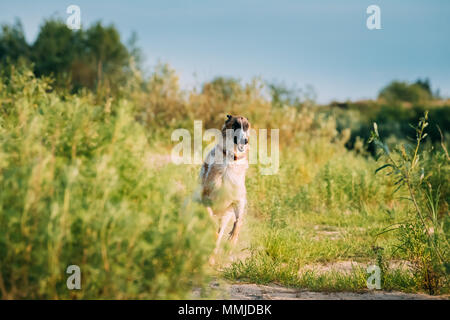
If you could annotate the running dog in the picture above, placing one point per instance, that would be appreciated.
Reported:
(222, 177)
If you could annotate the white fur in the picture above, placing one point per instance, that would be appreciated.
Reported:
(225, 177)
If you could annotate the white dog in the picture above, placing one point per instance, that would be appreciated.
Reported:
(222, 177)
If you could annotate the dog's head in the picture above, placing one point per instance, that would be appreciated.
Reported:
(240, 127)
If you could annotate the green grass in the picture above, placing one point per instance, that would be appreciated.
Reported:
(77, 187)
(264, 272)
(338, 215)
(82, 182)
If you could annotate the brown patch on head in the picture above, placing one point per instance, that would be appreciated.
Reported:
(236, 122)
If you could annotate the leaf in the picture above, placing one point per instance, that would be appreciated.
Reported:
(406, 198)
(398, 188)
(382, 146)
(388, 229)
(384, 166)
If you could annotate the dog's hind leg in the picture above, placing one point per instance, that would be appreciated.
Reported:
(234, 234)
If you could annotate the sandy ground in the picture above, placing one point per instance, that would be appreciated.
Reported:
(274, 292)
(241, 291)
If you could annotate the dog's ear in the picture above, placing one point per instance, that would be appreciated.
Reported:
(229, 116)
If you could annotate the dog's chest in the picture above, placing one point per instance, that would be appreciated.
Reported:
(234, 177)
(227, 182)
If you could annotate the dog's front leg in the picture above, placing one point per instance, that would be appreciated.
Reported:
(223, 224)
(239, 211)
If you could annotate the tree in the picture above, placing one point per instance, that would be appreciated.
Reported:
(106, 53)
(282, 95)
(13, 45)
(398, 91)
(425, 84)
(95, 58)
(55, 50)
(227, 88)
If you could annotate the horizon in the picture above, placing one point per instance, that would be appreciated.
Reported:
(298, 44)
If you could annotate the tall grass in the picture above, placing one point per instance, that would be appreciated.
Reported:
(85, 180)
(329, 207)
(77, 187)
(422, 236)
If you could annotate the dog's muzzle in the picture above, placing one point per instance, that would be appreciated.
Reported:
(240, 140)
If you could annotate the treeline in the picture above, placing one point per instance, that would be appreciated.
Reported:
(395, 121)
(97, 59)
(91, 58)
(398, 105)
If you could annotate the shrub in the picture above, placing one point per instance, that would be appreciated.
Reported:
(77, 187)
(398, 91)
(422, 237)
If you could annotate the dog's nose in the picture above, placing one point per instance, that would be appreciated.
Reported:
(246, 141)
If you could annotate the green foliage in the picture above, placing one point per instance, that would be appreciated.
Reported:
(422, 237)
(393, 120)
(283, 96)
(398, 91)
(94, 58)
(425, 85)
(78, 187)
(325, 206)
(79, 183)
(13, 45)
(226, 88)
(106, 54)
(55, 49)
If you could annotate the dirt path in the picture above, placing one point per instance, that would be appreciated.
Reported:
(241, 291)
(274, 292)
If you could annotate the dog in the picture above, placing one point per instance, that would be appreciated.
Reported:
(222, 177)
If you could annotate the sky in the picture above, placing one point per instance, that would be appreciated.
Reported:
(324, 44)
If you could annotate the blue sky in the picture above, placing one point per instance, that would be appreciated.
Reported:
(321, 43)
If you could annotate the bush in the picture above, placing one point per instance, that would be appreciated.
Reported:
(78, 187)
(398, 91)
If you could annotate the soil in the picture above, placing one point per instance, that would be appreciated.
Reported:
(248, 291)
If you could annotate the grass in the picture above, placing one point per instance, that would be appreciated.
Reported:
(77, 187)
(340, 215)
(85, 182)
(331, 281)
